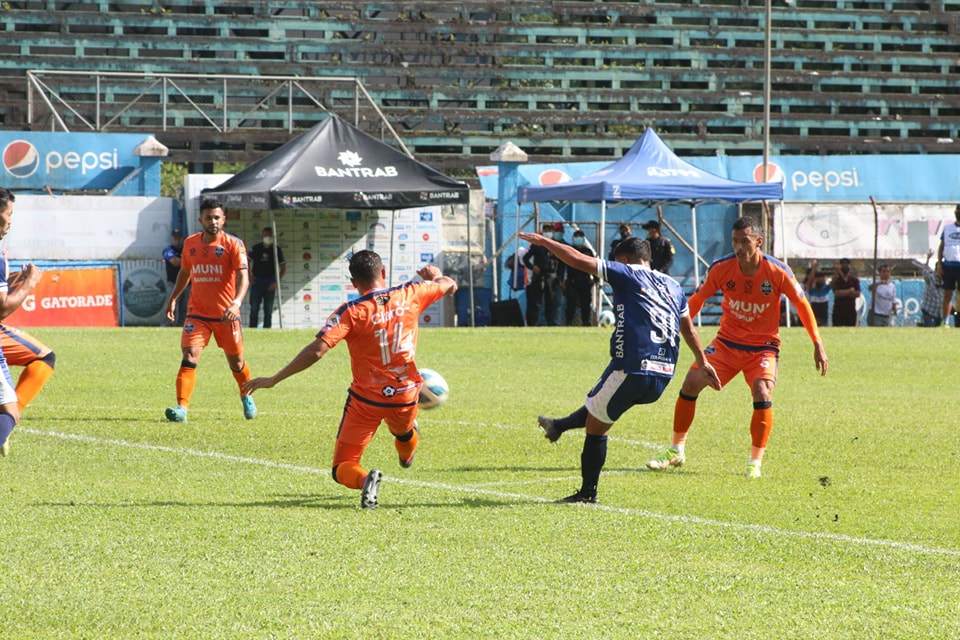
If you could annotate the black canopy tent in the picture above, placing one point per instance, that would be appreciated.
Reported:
(335, 165)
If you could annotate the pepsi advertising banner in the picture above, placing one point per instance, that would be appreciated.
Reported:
(67, 161)
(839, 178)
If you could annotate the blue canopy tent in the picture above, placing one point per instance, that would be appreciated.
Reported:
(648, 173)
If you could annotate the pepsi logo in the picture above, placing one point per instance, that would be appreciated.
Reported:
(553, 176)
(774, 173)
(21, 159)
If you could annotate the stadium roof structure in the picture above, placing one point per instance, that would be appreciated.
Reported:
(650, 171)
(336, 165)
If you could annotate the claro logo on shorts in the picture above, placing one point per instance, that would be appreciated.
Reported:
(824, 180)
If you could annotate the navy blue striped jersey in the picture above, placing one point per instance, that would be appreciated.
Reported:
(647, 306)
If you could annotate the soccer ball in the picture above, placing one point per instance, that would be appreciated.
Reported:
(607, 318)
(434, 391)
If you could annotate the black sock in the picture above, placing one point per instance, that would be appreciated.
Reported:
(575, 420)
(592, 458)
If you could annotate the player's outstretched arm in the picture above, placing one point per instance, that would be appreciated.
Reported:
(820, 357)
(564, 252)
(303, 360)
(13, 298)
(430, 273)
(692, 339)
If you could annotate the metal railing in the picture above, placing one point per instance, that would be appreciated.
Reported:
(270, 96)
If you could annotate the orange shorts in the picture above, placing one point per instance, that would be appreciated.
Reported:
(755, 365)
(360, 422)
(197, 332)
(19, 347)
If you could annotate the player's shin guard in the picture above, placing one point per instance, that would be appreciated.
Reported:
(7, 423)
(350, 475)
(32, 379)
(346, 465)
(186, 381)
(241, 376)
(592, 459)
(575, 420)
(761, 423)
(684, 412)
(406, 444)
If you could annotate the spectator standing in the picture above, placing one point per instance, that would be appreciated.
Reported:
(625, 233)
(263, 278)
(171, 260)
(661, 250)
(846, 291)
(931, 304)
(518, 277)
(948, 257)
(578, 286)
(544, 287)
(818, 293)
(884, 299)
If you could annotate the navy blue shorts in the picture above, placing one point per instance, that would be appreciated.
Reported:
(617, 391)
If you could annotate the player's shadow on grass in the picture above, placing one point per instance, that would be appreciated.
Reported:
(305, 501)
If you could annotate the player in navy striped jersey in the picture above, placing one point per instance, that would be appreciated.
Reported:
(651, 317)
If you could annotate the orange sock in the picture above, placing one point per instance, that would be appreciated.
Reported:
(761, 423)
(408, 445)
(31, 381)
(241, 376)
(186, 381)
(350, 475)
(683, 413)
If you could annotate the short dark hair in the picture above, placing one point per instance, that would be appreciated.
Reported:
(635, 250)
(579, 233)
(270, 229)
(6, 197)
(365, 265)
(746, 223)
(211, 203)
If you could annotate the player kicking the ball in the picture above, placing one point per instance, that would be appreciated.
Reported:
(651, 315)
(748, 340)
(381, 329)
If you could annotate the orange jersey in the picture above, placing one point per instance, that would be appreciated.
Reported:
(213, 273)
(381, 329)
(751, 304)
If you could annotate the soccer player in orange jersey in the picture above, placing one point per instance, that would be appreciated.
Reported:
(10, 301)
(381, 329)
(214, 263)
(748, 340)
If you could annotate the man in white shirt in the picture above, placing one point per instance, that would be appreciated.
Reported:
(884, 304)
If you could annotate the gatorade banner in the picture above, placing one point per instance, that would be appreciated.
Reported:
(71, 298)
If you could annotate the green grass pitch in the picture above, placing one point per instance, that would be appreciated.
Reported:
(117, 524)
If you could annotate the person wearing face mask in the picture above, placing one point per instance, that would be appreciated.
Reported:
(547, 274)
(578, 285)
(846, 291)
(625, 233)
(818, 293)
(263, 276)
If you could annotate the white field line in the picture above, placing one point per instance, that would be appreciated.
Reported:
(438, 486)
